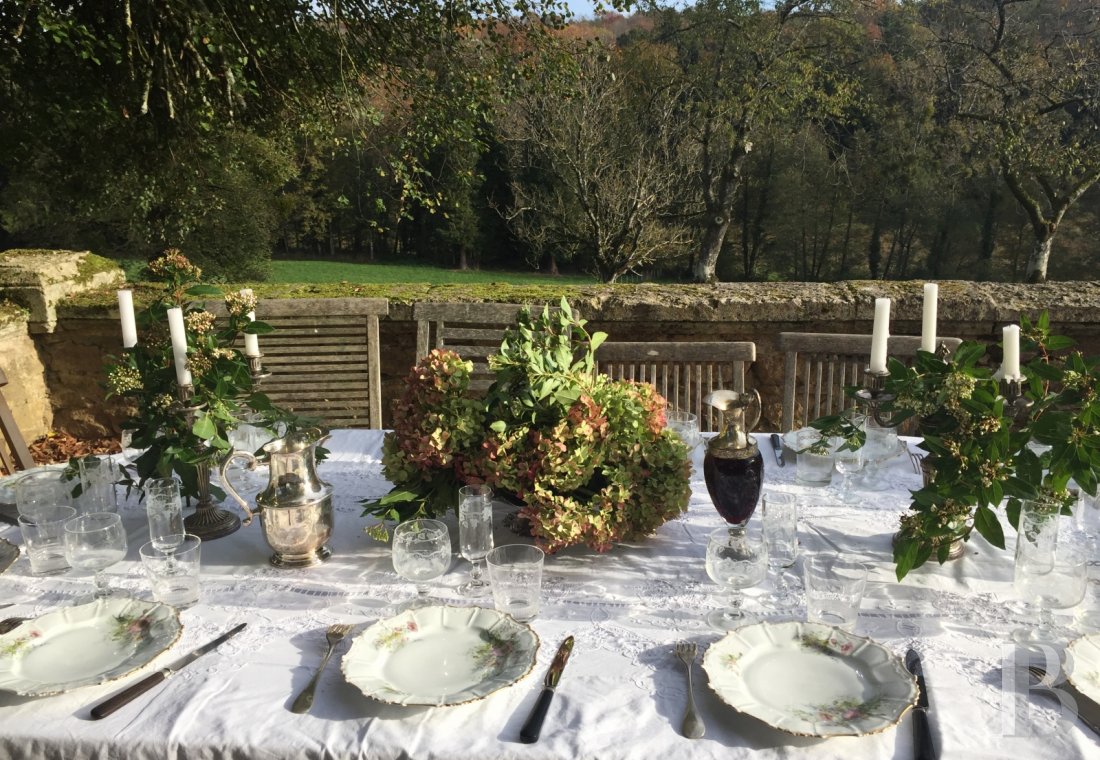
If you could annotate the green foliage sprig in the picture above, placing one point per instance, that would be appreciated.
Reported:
(223, 391)
(984, 452)
(589, 457)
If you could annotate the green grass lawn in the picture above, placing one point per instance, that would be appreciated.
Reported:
(379, 274)
(286, 272)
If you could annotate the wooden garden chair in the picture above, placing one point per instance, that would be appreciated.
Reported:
(15, 455)
(683, 372)
(818, 366)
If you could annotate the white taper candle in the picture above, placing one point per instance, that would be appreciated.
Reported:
(179, 345)
(880, 335)
(1010, 367)
(928, 321)
(129, 321)
(251, 342)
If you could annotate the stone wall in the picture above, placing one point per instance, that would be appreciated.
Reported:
(27, 392)
(74, 353)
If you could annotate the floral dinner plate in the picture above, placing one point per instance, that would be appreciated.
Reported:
(810, 679)
(1084, 653)
(86, 644)
(440, 655)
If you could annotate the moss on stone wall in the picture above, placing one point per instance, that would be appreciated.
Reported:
(10, 312)
(91, 265)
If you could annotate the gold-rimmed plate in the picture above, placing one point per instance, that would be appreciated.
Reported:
(1084, 656)
(440, 655)
(810, 679)
(85, 644)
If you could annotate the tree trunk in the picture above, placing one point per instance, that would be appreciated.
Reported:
(1039, 258)
(714, 236)
(463, 262)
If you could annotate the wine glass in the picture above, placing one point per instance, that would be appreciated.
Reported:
(164, 509)
(780, 521)
(421, 554)
(1054, 580)
(95, 541)
(848, 463)
(735, 561)
(475, 534)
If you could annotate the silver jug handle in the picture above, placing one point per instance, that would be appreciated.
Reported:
(750, 426)
(224, 472)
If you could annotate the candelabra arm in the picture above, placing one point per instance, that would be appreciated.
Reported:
(1012, 389)
(873, 396)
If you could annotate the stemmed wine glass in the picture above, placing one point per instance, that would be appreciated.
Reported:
(735, 561)
(164, 509)
(780, 521)
(95, 541)
(475, 534)
(421, 554)
(1050, 580)
(848, 463)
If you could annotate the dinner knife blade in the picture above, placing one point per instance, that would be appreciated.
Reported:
(127, 695)
(777, 447)
(532, 727)
(1087, 708)
(923, 748)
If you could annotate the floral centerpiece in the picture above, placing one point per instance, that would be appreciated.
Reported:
(985, 450)
(589, 457)
(176, 439)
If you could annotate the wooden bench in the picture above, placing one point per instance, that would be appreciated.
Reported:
(324, 358)
(818, 366)
(683, 372)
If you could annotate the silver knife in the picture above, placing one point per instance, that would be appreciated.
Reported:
(1086, 708)
(923, 748)
(532, 727)
(777, 447)
(127, 695)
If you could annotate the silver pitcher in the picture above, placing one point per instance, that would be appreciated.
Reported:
(296, 506)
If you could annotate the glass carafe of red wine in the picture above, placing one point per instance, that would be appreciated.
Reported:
(733, 467)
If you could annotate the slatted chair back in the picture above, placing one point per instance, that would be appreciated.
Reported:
(324, 358)
(15, 455)
(683, 372)
(472, 330)
(818, 366)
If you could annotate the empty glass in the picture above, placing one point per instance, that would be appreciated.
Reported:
(516, 574)
(43, 488)
(834, 590)
(849, 464)
(735, 561)
(1049, 579)
(44, 539)
(421, 554)
(95, 542)
(814, 462)
(475, 534)
(98, 474)
(685, 425)
(164, 509)
(174, 572)
(780, 520)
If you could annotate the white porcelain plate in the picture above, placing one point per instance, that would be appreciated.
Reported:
(1084, 653)
(86, 644)
(810, 679)
(440, 655)
(9, 552)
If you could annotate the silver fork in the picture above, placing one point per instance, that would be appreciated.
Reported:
(304, 701)
(916, 460)
(692, 727)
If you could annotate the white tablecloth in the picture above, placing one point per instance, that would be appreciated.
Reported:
(623, 692)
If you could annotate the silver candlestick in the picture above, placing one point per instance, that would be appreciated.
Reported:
(874, 397)
(209, 521)
(1013, 391)
(256, 368)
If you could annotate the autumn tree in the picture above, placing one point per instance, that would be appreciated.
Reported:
(1020, 79)
(595, 157)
